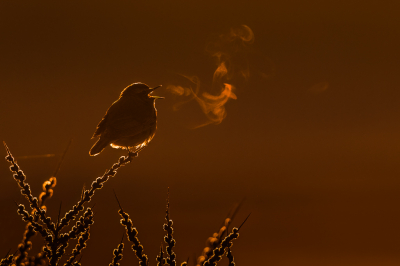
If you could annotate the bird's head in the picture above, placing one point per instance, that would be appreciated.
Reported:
(139, 90)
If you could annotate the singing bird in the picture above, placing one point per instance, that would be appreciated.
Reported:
(130, 122)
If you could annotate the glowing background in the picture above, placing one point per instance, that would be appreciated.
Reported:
(313, 144)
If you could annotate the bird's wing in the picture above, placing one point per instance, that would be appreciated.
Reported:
(111, 112)
(100, 127)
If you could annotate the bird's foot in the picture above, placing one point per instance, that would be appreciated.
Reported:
(132, 153)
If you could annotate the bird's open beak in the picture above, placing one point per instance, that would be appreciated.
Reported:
(156, 97)
(159, 86)
(153, 96)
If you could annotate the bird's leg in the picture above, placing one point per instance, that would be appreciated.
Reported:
(131, 153)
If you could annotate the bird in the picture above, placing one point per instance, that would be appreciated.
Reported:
(130, 122)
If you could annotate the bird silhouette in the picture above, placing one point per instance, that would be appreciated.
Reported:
(130, 122)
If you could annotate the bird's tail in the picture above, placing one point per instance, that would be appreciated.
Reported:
(98, 146)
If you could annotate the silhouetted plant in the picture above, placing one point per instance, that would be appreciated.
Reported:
(169, 239)
(57, 241)
(7, 260)
(131, 233)
(215, 240)
(118, 253)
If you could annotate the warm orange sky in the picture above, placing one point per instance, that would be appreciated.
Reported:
(311, 142)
